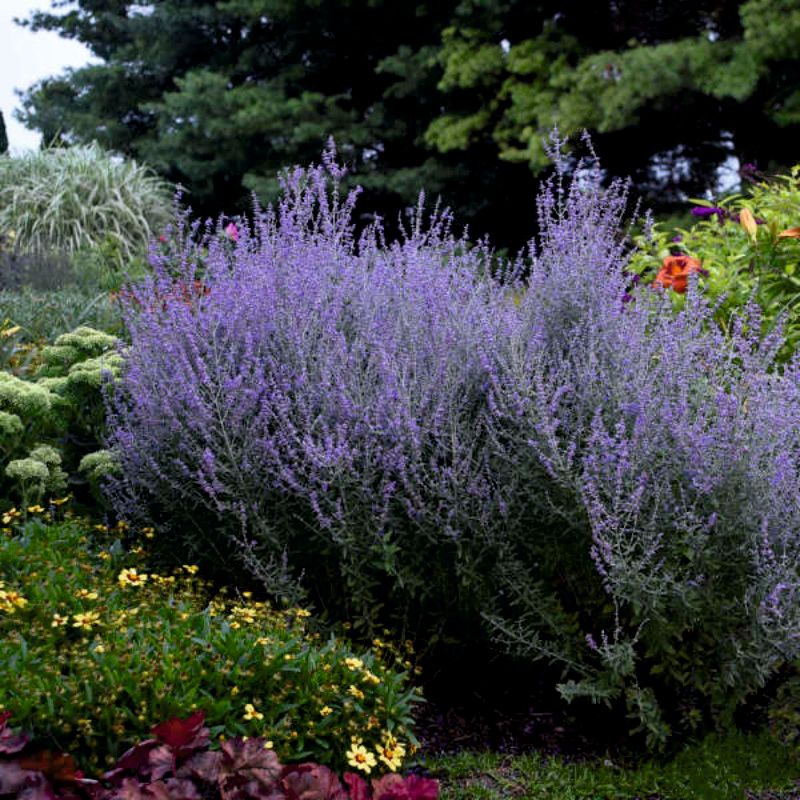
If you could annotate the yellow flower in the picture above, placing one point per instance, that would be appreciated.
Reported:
(353, 663)
(85, 594)
(234, 691)
(59, 501)
(130, 577)
(356, 692)
(192, 569)
(85, 620)
(269, 744)
(251, 713)
(99, 649)
(371, 677)
(262, 640)
(301, 612)
(11, 515)
(325, 710)
(360, 758)
(149, 533)
(104, 555)
(12, 599)
(391, 752)
(10, 331)
(36, 509)
(59, 621)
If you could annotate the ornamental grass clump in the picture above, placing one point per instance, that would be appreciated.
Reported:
(398, 433)
(69, 199)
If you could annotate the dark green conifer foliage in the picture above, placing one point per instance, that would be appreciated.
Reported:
(3, 135)
(457, 96)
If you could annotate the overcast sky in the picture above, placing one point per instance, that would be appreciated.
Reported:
(26, 57)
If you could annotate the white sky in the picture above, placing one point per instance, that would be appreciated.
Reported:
(26, 57)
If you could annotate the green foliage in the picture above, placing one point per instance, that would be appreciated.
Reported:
(94, 647)
(715, 769)
(53, 414)
(742, 259)
(70, 199)
(44, 315)
(734, 69)
(784, 713)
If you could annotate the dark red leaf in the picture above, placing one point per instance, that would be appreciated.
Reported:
(135, 760)
(248, 770)
(10, 742)
(204, 766)
(359, 789)
(13, 778)
(312, 782)
(161, 760)
(130, 789)
(56, 767)
(183, 734)
(173, 789)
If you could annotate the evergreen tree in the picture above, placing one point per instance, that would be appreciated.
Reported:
(456, 96)
(3, 136)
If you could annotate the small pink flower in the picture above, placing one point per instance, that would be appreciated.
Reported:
(232, 232)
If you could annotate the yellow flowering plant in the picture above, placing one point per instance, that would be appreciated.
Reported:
(92, 651)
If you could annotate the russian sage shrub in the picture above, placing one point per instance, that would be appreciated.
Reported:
(406, 437)
(665, 456)
(318, 411)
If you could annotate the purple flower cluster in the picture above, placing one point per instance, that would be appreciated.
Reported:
(399, 430)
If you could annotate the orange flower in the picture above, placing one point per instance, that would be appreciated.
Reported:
(675, 271)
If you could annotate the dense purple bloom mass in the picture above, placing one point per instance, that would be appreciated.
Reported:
(406, 432)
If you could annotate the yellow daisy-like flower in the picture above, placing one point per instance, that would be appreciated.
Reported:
(13, 599)
(192, 569)
(261, 641)
(100, 649)
(360, 758)
(85, 594)
(104, 555)
(11, 515)
(371, 677)
(59, 621)
(325, 710)
(85, 620)
(356, 692)
(302, 612)
(130, 577)
(354, 663)
(59, 501)
(149, 533)
(36, 509)
(251, 713)
(391, 753)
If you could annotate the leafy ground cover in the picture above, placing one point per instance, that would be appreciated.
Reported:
(730, 768)
(94, 646)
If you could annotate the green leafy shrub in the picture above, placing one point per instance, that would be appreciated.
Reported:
(748, 245)
(44, 315)
(93, 647)
(67, 199)
(53, 415)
